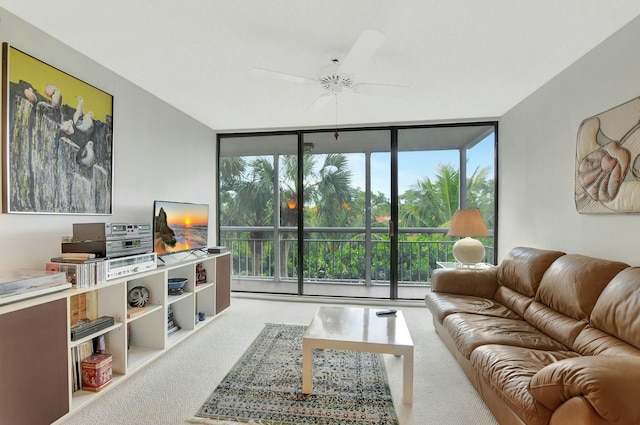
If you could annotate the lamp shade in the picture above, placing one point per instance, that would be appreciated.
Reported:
(468, 223)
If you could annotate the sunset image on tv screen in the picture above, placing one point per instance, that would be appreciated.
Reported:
(180, 226)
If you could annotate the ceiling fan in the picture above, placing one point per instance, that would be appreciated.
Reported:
(341, 74)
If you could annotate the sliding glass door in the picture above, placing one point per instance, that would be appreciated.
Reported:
(440, 169)
(257, 178)
(346, 245)
(363, 214)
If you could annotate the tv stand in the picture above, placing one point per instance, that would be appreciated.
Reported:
(135, 340)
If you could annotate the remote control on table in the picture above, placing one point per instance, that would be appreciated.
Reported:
(385, 312)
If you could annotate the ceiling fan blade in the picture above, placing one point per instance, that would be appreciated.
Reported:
(259, 72)
(364, 47)
(372, 89)
(320, 102)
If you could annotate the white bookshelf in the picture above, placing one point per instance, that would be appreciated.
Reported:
(136, 341)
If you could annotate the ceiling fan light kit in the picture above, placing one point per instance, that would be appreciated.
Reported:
(334, 83)
(341, 73)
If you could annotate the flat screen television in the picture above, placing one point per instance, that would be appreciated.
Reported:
(179, 226)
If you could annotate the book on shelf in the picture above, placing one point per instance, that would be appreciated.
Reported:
(77, 255)
(78, 354)
(74, 257)
(172, 328)
(135, 311)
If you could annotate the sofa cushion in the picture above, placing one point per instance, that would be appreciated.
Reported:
(609, 383)
(594, 342)
(559, 326)
(514, 300)
(573, 283)
(509, 370)
(442, 305)
(470, 331)
(616, 311)
(464, 281)
(614, 329)
(523, 268)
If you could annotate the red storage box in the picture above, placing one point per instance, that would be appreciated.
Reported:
(96, 372)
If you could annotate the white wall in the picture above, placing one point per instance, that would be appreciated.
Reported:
(159, 153)
(537, 157)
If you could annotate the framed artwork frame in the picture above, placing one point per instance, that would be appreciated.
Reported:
(57, 140)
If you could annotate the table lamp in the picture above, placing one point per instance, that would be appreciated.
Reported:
(467, 223)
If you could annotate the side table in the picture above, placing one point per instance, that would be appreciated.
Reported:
(457, 265)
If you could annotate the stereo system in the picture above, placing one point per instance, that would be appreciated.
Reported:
(110, 240)
(120, 267)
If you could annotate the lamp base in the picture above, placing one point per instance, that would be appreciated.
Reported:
(468, 251)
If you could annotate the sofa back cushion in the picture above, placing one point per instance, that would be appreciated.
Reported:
(615, 314)
(557, 325)
(567, 294)
(513, 300)
(523, 268)
(573, 283)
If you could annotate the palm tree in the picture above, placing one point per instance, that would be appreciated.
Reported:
(327, 195)
(480, 194)
(246, 193)
(231, 174)
(432, 204)
(329, 188)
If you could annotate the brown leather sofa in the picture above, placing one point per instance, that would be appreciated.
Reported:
(545, 337)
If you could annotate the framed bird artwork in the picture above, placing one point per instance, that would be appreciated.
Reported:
(57, 138)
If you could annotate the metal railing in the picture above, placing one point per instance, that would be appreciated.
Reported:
(337, 255)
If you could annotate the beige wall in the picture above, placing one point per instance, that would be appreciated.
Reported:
(159, 153)
(537, 156)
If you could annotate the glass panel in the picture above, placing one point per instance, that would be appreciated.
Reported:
(337, 228)
(380, 218)
(288, 232)
(429, 193)
(247, 196)
(481, 187)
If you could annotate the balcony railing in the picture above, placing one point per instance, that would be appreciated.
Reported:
(338, 255)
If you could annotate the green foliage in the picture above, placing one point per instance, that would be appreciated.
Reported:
(330, 200)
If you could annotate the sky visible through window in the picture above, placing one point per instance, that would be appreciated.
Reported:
(414, 166)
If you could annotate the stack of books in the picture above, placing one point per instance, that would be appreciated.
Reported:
(172, 326)
(82, 269)
(78, 354)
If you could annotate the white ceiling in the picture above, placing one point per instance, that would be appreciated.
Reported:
(463, 59)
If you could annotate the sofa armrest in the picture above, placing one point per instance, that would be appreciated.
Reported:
(475, 282)
(611, 384)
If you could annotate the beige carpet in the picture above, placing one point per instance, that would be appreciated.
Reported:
(171, 389)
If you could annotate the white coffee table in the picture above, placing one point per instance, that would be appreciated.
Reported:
(358, 329)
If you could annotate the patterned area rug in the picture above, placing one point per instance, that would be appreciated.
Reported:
(265, 385)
